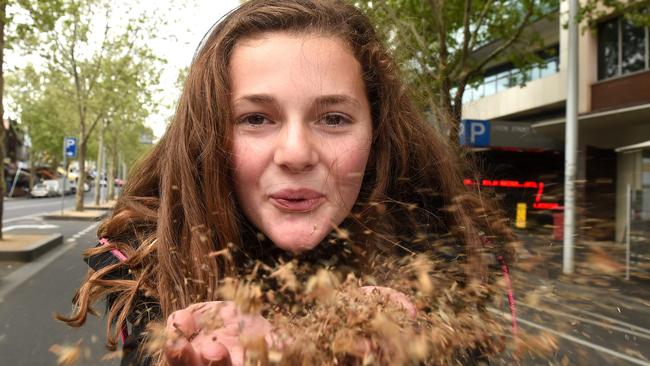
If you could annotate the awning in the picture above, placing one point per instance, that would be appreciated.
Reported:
(606, 129)
(635, 147)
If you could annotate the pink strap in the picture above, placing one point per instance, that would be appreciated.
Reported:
(511, 295)
(119, 255)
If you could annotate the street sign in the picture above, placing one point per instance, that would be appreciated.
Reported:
(474, 132)
(70, 147)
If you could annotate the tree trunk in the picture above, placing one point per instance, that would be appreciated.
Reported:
(111, 176)
(79, 204)
(32, 169)
(3, 8)
(100, 165)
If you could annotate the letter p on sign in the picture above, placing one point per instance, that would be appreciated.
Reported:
(475, 132)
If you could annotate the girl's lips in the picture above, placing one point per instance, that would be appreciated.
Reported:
(299, 205)
(297, 200)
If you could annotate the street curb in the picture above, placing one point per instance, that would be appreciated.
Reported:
(33, 251)
(53, 216)
(98, 208)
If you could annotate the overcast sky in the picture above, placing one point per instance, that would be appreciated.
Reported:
(194, 21)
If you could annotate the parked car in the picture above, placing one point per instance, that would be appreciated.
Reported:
(40, 190)
(73, 186)
(54, 185)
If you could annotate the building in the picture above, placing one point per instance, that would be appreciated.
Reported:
(613, 127)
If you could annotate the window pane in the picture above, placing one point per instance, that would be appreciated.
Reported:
(633, 47)
(503, 83)
(489, 86)
(608, 49)
(549, 68)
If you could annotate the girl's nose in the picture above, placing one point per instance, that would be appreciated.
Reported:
(295, 150)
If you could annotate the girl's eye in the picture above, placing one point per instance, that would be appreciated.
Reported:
(254, 120)
(334, 120)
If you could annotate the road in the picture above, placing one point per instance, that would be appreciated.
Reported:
(31, 293)
(594, 320)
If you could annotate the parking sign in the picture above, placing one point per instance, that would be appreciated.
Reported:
(474, 132)
(70, 146)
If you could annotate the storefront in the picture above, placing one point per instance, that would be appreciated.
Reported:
(633, 192)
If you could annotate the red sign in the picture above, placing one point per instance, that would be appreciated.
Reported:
(516, 184)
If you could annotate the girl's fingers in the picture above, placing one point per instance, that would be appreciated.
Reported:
(181, 353)
(180, 330)
(217, 355)
(181, 324)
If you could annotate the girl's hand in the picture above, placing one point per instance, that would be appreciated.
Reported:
(211, 334)
(394, 296)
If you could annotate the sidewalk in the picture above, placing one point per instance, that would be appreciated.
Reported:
(599, 264)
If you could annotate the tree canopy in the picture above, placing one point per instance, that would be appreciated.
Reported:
(443, 46)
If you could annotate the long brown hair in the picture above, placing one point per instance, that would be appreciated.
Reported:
(178, 205)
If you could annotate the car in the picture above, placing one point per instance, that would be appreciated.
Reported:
(54, 185)
(40, 190)
(73, 186)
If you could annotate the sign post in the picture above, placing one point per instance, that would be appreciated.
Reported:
(520, 222)
(69, 151)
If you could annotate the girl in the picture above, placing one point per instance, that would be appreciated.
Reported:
(293, 139)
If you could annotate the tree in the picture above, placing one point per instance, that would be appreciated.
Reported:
(637, 12)
(127, 110)
(40, 16)
(80, 50)
(443, 46)
(44, 112)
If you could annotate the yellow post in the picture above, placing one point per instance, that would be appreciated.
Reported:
(520, 222)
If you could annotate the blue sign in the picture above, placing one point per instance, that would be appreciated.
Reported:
(474, 132)
(70, 146)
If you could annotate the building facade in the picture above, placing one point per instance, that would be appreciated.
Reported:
(613, 127)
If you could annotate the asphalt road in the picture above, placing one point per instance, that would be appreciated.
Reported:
(31, 293)
(23, 207)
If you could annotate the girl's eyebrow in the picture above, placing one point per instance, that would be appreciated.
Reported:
(257, 99)
(336, 99)
(321, 101)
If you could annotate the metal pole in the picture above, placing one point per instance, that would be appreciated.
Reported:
(571, 141)
(13, 184)
(628, 217)
(65, 177)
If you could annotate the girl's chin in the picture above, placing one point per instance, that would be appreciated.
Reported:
(297, 242)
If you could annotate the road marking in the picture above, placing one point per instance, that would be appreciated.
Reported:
(26, 217)
(40, 227)
(24, 273)
(642, 333)
(571, 338)
(612, 320)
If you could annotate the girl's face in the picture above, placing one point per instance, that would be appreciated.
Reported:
(302, 136)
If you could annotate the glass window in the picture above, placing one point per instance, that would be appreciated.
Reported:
(633, 47)
(549, 68)
(490, 85)
(503, 82)
(608, 49)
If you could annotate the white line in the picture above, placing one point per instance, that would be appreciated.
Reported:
(613, 320)
(22, 218)
(571, 338)
(644, 333)
(41, 227)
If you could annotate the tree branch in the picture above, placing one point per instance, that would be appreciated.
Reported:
(466, 34)
(516, 35)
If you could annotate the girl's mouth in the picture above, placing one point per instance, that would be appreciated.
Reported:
(297, 200)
